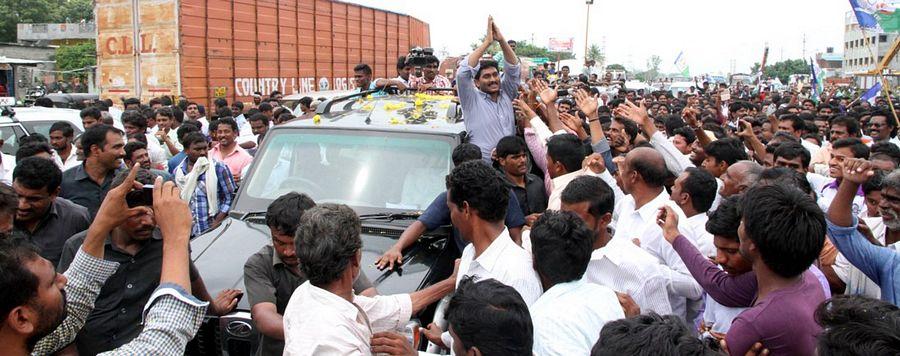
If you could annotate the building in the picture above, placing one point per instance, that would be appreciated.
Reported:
(863, 51)
(55, 33)
(831, 63)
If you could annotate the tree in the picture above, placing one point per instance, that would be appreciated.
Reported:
(615, 67)
(77, 56)
(594, 53)
(526, 49)
(783, 70)
(653, 68)
(14, 12)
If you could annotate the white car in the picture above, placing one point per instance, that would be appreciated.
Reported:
(35, 119)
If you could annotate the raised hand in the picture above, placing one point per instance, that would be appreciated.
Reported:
(746, 129)
(857, 170)
(172, 213)
(595, 163)
(114, 210)
(520, 105)
(636, 113)
(587, 104)
(668, 221)
(573, 123)
(489, 35)
(690, 117)
(496, 31)
(547, 94)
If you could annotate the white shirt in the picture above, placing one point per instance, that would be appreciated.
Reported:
(71, 161)
(827, 194)
(204, 125)
(719, 317)
(158, 155)
(628, 269)
(694, 228)
(7, 165)
(677, 162)
(567, 319)
(811, 147)
(505, 262)
(641, 224)
(560, 183)
(318, 322)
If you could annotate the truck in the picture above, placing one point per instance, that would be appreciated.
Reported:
(208, 49)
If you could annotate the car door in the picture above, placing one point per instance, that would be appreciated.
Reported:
(10, 134)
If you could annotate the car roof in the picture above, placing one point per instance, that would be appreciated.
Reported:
(40, 113)
(401, 113)
(318, 94)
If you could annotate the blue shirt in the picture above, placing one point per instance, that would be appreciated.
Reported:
(175, 160)
(881, 264)
(438, 214)
(487, 121)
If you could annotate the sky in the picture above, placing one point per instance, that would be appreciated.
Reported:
(716, 36)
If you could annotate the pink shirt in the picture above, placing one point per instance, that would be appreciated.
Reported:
(236, 161)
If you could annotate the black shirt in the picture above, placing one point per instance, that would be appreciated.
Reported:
(268, 280)
(533, 197)
(62, 220)
(78, 187)
(116, 318)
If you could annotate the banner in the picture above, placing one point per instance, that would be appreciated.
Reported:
(872, 93)
(561, 45)
(681, 64)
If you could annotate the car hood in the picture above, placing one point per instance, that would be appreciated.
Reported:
(220, 254)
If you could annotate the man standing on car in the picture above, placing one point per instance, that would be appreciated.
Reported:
(486, 98)
(272, 274)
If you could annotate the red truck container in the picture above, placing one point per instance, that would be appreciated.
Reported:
(206, 49)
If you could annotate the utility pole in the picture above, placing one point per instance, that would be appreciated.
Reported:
(804, 45)
(587, 26)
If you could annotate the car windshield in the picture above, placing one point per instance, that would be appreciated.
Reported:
(368, 169)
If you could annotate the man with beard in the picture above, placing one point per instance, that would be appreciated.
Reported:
(486, 98)
(136, 246)
(881, 264)
(207, 184)
(42, 310)
(272, 274)
(42, 216)
(87, 184)
(136, 153)
(61, 136)
(228, 151)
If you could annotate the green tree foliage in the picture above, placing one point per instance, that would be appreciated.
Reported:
(596, 54)
(526, 49)
(782, 70)
(615, 67)
(77, 56)
(14, 12)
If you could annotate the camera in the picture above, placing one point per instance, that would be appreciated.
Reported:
(418, 56)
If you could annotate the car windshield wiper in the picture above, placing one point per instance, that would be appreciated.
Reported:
(403, 215)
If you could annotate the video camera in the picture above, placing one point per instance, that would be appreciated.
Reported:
(418, 56)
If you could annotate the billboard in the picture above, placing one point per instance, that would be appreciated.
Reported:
(561, 45)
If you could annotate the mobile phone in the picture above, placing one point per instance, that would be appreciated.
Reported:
(142, 197)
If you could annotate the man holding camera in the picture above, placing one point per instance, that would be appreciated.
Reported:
(486, 98)
(430, 77)
(136, 245)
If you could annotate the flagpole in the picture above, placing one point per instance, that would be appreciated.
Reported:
(885, 86)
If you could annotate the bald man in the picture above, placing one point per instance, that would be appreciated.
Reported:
(642, 175)
(738, 177)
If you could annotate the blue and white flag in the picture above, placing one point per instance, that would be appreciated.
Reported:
(872, 93)
(877, 15)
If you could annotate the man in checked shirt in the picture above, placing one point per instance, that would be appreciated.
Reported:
(42, 310)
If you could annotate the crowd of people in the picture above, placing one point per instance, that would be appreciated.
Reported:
(758, 222)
